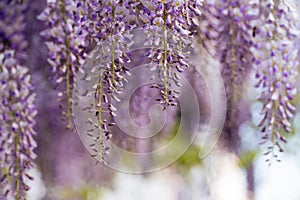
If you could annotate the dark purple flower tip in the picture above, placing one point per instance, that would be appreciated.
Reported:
(83, 19)
(160, 7)
(109, 9)
(236, 19)
(94, 16)
(290, 97)
(77, 17)
(127, 27)
(272, 53)
(79, 4)
(119, 18)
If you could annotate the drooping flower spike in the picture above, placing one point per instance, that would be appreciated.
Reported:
(169, 26)
(228, 29)
(66, 41)
(17, 113)
(108, 24)
(226, 33)
(17, 110)
(275, 59)
(12, 25)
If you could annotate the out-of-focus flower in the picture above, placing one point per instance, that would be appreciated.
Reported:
(12, 26)
(275, 58)
(17, 112)
(226, 33)
(243, 34)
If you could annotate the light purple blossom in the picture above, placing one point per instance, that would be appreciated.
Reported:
(66, 37)
(12, 26)
(169, 26)
(275, 59)
(226, 33)
(109, 24)
(17, 113)
(246, 35)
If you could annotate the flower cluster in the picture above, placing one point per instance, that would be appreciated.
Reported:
(169, 26)
(12, 26)
(108, 24)
(112, 21)
(275, 58)
(17, 114)
(209, 27)
(226, 33)
(228, 29)
(11, 35)
(17, 111)
(66, 37)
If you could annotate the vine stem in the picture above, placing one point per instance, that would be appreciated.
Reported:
(68, 73)
(99, 88)
(113, 50)
(16, 144)
(16, 147)
(275, 103)
(165, 64)
(233, 67)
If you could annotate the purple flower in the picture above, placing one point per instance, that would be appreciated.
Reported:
(275, 57)
(17, 113)
(243, 34)
(67, 41)
(169, 26)
(12, 27)
(226, 33)
(108, 24)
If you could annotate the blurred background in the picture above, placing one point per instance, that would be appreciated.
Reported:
(67, 171)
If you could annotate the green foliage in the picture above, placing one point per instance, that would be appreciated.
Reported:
(84, 193)
(247, 158)
(190, 158)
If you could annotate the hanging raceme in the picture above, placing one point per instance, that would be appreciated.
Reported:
(209, 23)
(276, 65)
(226, 33)
(66, 37)
(11, 34)
(240, 34)
(268, 28)
(170, 28)
(17, 115)
(17, 110)
(110, 23)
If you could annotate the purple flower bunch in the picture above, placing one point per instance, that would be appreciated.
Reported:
(247, 35)
(17, 110)
(17, 115)
(67, 41)
(12, 26)
(226, 33)
(110, 23)
(244, 36)
(275, 60)
(170, 27)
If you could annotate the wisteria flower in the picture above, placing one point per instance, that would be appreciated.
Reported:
(17, 113)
